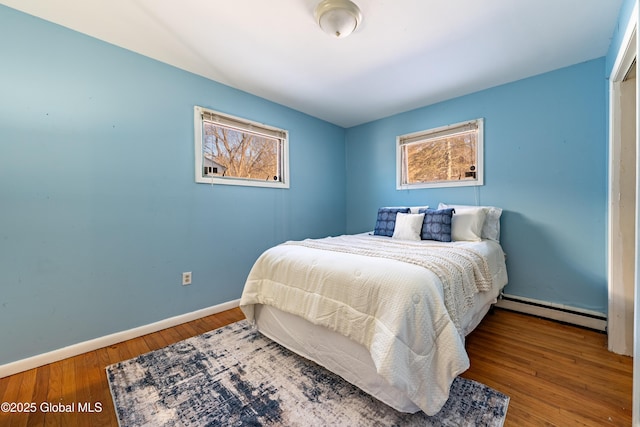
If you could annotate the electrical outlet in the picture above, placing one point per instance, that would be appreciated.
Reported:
(186, 278)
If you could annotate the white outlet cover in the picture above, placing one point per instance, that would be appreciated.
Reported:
(186, 278)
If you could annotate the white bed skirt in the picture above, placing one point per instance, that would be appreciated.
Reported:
(345, 357)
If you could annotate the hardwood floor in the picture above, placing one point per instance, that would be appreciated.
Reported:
(555, 374)
(83, 380)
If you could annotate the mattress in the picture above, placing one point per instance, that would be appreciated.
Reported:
(354, 359)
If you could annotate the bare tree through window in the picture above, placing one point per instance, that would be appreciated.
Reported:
(241, 154)
(443, 159)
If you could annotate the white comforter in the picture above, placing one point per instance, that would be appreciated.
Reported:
(395, 309)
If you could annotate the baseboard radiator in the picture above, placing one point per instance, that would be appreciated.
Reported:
(585, 318)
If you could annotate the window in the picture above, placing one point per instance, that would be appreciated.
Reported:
(448, 156)
(235, 151)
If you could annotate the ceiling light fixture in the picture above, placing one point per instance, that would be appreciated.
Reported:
(338, 18)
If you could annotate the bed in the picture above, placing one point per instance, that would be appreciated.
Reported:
(385, 310)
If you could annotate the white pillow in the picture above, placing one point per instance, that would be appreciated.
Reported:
(491, 226)
(467, 224)
(408, 226)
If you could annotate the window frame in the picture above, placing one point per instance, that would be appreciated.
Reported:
(425, 135)
(240, 124)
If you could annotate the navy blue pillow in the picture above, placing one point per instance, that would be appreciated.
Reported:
(386, 222)
(437, 224)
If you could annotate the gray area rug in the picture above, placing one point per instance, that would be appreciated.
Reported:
(235, 376)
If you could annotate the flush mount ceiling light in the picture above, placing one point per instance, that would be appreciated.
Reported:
(338, 18)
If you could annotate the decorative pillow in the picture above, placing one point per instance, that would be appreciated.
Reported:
(491, 226)
(386, 222)
(408, 226)
(437, 224)
(466, 224)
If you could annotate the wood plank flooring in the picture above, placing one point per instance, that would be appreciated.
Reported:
(555, 374)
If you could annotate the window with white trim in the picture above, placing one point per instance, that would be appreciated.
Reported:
(448, 156)
(235, 151)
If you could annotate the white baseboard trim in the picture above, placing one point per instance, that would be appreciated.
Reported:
(563, 313)
(107, 340)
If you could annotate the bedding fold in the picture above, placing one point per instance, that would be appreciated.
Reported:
(462, 271)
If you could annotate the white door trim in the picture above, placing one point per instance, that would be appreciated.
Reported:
(627, 53)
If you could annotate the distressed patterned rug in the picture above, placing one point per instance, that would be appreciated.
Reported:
(236, 376)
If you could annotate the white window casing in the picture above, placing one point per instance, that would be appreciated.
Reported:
(211, 166)
(442, 170)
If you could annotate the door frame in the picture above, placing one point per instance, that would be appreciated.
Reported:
(627, 53)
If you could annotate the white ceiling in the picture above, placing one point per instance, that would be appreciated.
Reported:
(406, 54)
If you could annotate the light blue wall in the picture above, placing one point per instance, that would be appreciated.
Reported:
(545, 165)
(99, 211)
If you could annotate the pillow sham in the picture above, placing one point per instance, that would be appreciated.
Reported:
(408, 226)
(386, 221)
(437, 224)
(491, 226)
